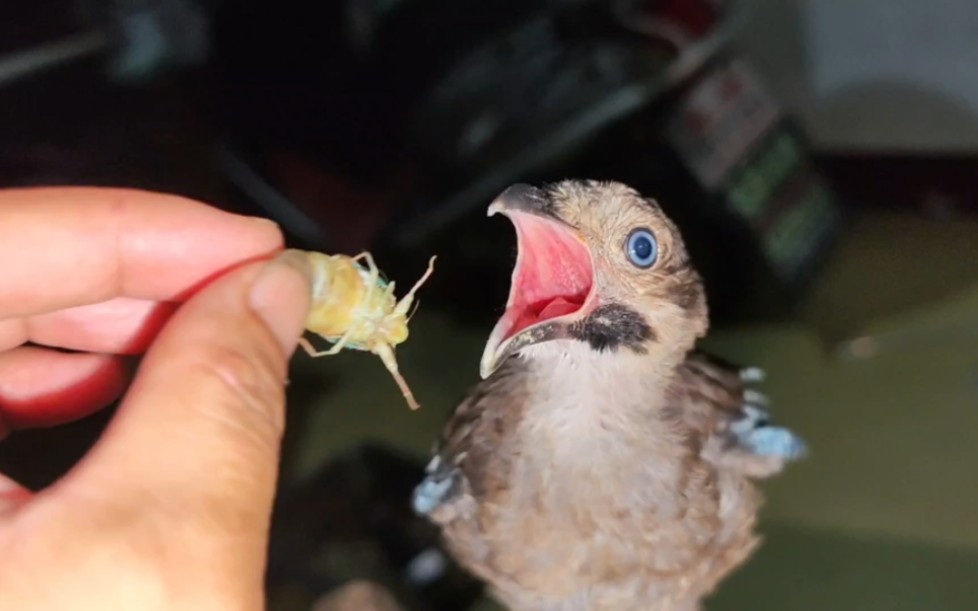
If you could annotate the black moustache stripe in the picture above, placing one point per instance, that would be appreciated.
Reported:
(613, 326)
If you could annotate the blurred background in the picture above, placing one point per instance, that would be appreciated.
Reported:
(819, 155)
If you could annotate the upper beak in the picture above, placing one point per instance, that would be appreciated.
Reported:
(523, 198)
(540, 292)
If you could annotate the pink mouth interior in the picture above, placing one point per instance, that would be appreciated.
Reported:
(553, 275)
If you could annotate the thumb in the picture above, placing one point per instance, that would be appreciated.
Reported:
(196, 438)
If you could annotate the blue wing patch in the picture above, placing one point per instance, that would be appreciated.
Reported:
(755, 433)
(438, 486)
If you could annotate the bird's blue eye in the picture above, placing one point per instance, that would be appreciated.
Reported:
(642, 248)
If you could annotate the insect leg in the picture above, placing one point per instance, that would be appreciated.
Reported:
(405, 303)
(414, 311)
(386, 355)
(374, 272)
(334, 349)
(310, 349)
(363, 255)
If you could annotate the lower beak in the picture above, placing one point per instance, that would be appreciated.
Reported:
(497, 350)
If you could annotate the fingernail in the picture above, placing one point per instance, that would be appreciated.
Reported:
(260, 220)
(281, 294)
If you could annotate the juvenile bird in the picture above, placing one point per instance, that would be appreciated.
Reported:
(603, 462)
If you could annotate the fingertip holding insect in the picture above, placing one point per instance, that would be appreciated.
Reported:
(298, 260)
(280, 297)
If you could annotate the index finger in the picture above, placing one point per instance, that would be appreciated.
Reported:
(62, 247)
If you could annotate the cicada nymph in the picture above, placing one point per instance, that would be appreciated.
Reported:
(354, 308)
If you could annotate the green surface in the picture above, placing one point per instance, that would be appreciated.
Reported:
(802, 569)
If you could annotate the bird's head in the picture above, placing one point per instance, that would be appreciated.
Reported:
(597, 264)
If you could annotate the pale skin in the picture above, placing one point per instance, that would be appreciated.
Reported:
(171, 508)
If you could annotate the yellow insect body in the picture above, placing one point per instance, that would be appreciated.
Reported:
(354, 308)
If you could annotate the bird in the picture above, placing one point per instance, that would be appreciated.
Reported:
(603, 460)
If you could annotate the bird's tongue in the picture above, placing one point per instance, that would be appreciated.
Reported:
(553, 274)
(559, 307)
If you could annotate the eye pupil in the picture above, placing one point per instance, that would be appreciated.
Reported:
(642, 248)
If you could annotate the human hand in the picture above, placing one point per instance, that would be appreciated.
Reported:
(170, 509)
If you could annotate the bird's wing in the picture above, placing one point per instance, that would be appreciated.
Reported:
(720, 401)
(470, 458)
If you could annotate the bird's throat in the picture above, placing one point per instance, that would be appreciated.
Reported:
(624, 383)
(594, 427)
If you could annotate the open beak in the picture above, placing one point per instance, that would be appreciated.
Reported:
(552, 286)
